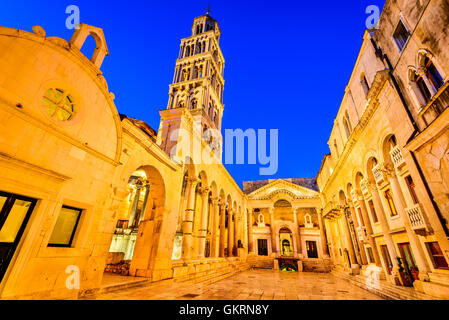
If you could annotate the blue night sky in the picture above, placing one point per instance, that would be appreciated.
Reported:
(287, 63)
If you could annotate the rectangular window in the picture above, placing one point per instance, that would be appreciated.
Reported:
(15, 212)
(433, 75)
(370, 255)
(65, 227)
(387, 259)
(312, 250)
(262, 247)
(390, 203)
(412, 188)
(401, 35)
(423, 89)
(373, 211)
(437, 255)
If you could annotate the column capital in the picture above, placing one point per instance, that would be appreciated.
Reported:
(216, 201)
(204, 191)
(193, 181)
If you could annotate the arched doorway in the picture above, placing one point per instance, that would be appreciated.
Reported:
(143, 204)
(286, 241)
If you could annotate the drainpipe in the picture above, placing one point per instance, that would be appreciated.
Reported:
(385, 59)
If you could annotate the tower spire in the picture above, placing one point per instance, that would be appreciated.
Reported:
(208, 10)
(198, 83)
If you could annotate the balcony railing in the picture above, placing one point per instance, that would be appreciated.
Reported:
(364, 187)
(378, 174)
(416, 216)
(354, 195)
(396, 157)
(436, 105)
(361, 234)
(331, 210)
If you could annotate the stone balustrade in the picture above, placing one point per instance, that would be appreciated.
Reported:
(416, 217)
(379, 176)
(396, 157)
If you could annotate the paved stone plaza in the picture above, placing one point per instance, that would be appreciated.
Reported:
(251, 285)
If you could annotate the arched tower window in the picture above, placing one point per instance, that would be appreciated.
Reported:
(364, 83)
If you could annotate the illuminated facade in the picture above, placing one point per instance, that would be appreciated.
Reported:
(384, 184)
(106, 194)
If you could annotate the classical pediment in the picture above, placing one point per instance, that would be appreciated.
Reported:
(280, 188)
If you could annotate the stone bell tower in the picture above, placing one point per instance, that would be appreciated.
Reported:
(195, 102)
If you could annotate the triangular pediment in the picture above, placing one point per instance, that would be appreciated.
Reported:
(279, 187)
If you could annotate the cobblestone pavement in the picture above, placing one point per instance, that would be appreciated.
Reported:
(250, 285)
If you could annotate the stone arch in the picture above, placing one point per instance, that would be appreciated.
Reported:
(342, 198)
(214, 190)
(370, 164)
(358, 180)
(143, 203)
(79, 38)
(388, 142)
(203, 178)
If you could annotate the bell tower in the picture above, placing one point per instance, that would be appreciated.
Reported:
(196, 94)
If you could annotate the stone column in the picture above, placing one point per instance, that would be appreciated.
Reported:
(274, 251)
(187, 224)
(215, 243)
(250, 232)
(369, 231)
(298, 232)
(230, 233)
(348, 239)
(236, 232)
(385, 230)
(203, 226)
(361, 250)
(322, 233)
(222, 229)
(134, 206)
(418, 251)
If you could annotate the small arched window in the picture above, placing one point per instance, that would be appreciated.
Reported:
(432, 74)
(336, 148)
(187, 51)
(364, 83)
(419, 88)
(347, 125)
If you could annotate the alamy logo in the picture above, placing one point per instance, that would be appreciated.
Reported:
(73, 280)
(73, 20)
(189, 148)
(372, 22)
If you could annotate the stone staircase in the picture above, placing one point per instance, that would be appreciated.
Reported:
(384, 289)
(212, 275)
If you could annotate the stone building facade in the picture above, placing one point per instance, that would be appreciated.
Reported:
(103, 191)
(86, 191)
(285, 225)
(384, 184)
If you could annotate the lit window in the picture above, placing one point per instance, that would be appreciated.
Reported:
(59, 104)
(390, 202)
(401, 35)
(437, 255)
(433, 75)
(370, 255)
(65, 227)
(373, 211)
(412, 188)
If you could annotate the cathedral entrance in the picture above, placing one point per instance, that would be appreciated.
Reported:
(286, 241)
(144, 200)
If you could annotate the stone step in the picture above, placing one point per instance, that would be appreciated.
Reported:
(385, 290)
(124, 285)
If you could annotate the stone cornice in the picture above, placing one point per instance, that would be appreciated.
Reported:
(372, 105)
